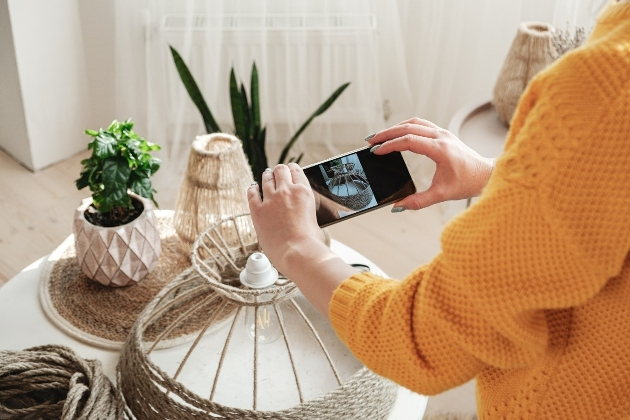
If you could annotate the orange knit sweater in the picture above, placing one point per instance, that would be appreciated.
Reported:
(531, 292)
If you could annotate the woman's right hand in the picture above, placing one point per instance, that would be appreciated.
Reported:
(460, 173)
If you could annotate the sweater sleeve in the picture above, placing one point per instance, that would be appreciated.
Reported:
(548, 232)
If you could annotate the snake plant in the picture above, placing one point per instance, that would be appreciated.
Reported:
(248, 126)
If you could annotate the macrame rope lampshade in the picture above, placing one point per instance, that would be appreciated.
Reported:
(214, 186)
(350, 186)
(306, 373)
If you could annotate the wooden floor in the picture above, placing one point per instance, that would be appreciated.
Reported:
(36, 211)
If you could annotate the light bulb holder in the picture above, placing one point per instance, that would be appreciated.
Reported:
(258, 272)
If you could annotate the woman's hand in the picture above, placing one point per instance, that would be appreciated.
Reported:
(461, 172)
(285, 221)
(288, 233)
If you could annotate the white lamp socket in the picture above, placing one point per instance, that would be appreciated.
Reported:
(258, 272)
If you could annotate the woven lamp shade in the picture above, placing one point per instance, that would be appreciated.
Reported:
(350, 186)
(230, 372)
(533, 50)
(214, 187)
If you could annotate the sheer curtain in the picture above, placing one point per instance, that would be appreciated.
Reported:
(454, 50)
(403, 58)
(303, 50)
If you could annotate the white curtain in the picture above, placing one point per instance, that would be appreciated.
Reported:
(455, 48)
(404, 58)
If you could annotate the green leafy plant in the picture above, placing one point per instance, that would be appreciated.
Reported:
(246, 114)
(120, 161)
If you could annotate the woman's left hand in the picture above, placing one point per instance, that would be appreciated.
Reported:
(287, 229)
(285, 220)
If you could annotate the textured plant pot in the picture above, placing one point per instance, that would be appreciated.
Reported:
(117, 256)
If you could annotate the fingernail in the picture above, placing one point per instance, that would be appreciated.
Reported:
(375, 148)
(268, 170)
(398, 209)
(369, 137)
(253, 184)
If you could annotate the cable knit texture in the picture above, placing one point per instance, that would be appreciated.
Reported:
(531, 292)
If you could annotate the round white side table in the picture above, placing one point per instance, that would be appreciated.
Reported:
(23, 324)
(477, 124)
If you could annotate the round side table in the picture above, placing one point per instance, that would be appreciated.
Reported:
(24, 324)
(477, 124)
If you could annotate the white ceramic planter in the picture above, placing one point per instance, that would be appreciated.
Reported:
(117, 256)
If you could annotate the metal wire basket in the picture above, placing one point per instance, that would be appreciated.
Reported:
(243, 378)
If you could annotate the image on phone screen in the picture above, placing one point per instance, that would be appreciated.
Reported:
(356, 182)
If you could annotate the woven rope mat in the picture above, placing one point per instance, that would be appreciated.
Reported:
(102, 316)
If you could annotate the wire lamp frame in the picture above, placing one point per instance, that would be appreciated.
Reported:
(358, 190)
(218, 256)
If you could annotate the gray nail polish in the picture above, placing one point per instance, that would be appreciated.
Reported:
(268, 170)
(375, 148)
(398, 209)
(369, 137)
(253, 183)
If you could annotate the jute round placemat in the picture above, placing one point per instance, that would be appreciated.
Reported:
(102, 316)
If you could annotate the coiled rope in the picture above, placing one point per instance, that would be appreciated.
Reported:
(54, 383)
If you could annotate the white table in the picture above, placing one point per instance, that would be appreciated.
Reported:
(478, 126)
(23, 324)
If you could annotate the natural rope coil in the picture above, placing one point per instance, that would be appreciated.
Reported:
(52, 382)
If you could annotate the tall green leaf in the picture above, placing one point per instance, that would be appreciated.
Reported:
(323, 107)
(261, 161)
(298, 159)
(255, 95)
(195, 93)
(239, 111)
(261, 138)
(248, 115)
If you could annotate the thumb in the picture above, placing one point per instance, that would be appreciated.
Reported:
(421, 200)
(253, 197)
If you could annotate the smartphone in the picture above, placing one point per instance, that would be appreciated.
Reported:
(356, 182)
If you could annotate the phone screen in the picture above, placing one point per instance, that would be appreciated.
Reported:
(356, 182)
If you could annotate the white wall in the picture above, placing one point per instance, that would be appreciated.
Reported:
(52, 78)
(97, 28)
(13, 134)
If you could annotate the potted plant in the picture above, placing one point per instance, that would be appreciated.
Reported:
(246, 114)
(116, 231)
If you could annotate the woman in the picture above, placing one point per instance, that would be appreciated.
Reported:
(531, 292)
